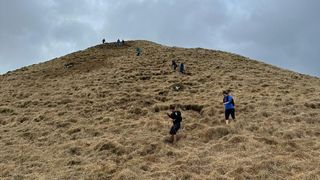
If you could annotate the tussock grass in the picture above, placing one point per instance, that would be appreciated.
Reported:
(105, 117)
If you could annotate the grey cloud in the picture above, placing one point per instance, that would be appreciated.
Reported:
(283, 33)
(37, 30)
(20, 27)
(182, 22)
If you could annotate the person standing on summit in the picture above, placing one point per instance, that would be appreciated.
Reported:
(229, 106)
(138, 51)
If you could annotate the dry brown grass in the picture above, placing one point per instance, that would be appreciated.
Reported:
(104, 118)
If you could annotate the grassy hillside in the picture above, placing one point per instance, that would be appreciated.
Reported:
(105, 118)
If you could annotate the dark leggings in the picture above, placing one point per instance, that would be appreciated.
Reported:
(174, 129)
(229, 112)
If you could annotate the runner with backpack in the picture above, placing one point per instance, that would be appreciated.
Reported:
(229, 106)
(176, 120)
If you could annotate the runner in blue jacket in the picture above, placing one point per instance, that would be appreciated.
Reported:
(228, 106)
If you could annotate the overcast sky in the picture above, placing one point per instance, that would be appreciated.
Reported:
(285, 33)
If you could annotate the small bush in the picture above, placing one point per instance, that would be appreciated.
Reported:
(158, 108)
(215, 133)
(127, 174)
(74, 162)
(75, 151)
(5, 110)
(144, 78)
(73, 131)
(266, 114)
(161, 98)
(265, 140)
(136, 111)
(63, 124)
(193, 107)
(39, 118)
(23, 119)
(312, 105)
(148, 149)
(65, 101)
(238, 139)
(111, 147)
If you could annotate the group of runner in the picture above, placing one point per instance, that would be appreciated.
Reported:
(175, 113)
(176, 116)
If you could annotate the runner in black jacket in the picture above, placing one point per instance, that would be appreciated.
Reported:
(176, 120)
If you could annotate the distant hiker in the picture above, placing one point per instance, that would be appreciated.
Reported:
(181, 68)
(118, 42)
(229, 106)
(103, 41)
(122, 42)
(138, 51)
(176, 120)
(174, 65)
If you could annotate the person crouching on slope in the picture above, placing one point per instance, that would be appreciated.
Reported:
(229, 106)
(176, 120)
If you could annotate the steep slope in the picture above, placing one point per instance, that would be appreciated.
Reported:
(105, 118)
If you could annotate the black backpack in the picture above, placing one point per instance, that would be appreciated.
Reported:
(232, 101)
(178, 116)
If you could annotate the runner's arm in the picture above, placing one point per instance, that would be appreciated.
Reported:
(229, 101)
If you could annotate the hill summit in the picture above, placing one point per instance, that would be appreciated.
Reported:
(100, 113)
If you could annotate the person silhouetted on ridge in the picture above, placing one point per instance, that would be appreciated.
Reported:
(229, 106)
(181, 68)
(176, 120)
(122, 42)
(174, 65)
(138, 51)
(103, 41)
